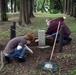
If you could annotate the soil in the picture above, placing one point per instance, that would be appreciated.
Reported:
(66, 60)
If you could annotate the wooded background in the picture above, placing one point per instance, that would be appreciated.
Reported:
(27, 8)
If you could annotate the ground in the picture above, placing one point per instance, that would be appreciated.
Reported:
(66, 60)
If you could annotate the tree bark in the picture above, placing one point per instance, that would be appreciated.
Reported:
(65, 6)
(30, 8)
(11, 5)
(3, 11)
(14, 5)
(68, 7)
(24, 17)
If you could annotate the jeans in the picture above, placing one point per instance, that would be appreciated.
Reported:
(58, 37)
(17, 53)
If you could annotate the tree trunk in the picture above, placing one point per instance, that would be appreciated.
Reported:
(65, 6)
(24, 18)
(72, 7)
(42, 8)
(68, 7)
(3, 11)
(30, 8)
(14, 5)
(0, 6)
(22, 22)
(11, 5)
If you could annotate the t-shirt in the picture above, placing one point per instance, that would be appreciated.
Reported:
(13, 43)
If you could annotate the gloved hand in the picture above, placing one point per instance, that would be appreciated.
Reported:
(64, 17)
(19, 47)
(36, 40)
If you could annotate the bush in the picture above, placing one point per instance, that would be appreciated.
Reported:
(54, 11)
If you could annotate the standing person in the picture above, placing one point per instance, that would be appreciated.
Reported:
(16, 47)
(52, 28)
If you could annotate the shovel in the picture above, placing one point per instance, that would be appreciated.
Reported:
(50, 65)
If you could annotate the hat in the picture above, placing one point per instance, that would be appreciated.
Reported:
(29, 36)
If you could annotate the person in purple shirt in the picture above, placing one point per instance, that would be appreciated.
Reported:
(52, 28)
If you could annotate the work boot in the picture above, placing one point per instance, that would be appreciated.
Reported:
(21, 59)
(8, 61)
(67, 41)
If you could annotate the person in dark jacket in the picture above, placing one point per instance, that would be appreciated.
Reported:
(52, 28)
(16, 47)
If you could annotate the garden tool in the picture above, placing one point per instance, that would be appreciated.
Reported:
(50, 65)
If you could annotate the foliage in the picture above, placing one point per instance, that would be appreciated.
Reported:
(54, 11)
(4, 16)
(52, 4)
(18, 4)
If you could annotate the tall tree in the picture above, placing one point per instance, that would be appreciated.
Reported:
(14, 5)
(68, 7)
(11, 5)
(72, 8)
(65, 6)
(24, 17)
(3, 11)
(30, 8)
(42, 8)
(0, 6)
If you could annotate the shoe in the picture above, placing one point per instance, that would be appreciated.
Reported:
(21, 59)
(70, 39)
(8, 61)
(65, 42)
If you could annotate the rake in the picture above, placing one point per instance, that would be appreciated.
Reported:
(50, 65)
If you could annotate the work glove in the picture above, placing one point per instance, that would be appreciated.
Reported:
(36, 40)
(64, 17)
(19, 47)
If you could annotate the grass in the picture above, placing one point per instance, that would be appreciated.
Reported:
(38, 23)
(71, 72)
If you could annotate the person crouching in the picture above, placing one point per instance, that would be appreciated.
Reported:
(17, 46)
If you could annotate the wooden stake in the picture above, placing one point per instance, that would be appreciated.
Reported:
(55, 41)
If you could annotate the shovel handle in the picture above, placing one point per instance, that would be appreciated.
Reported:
(55, 41)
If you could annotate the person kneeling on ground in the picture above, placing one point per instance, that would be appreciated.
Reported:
(52, 28)
(16, 47)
